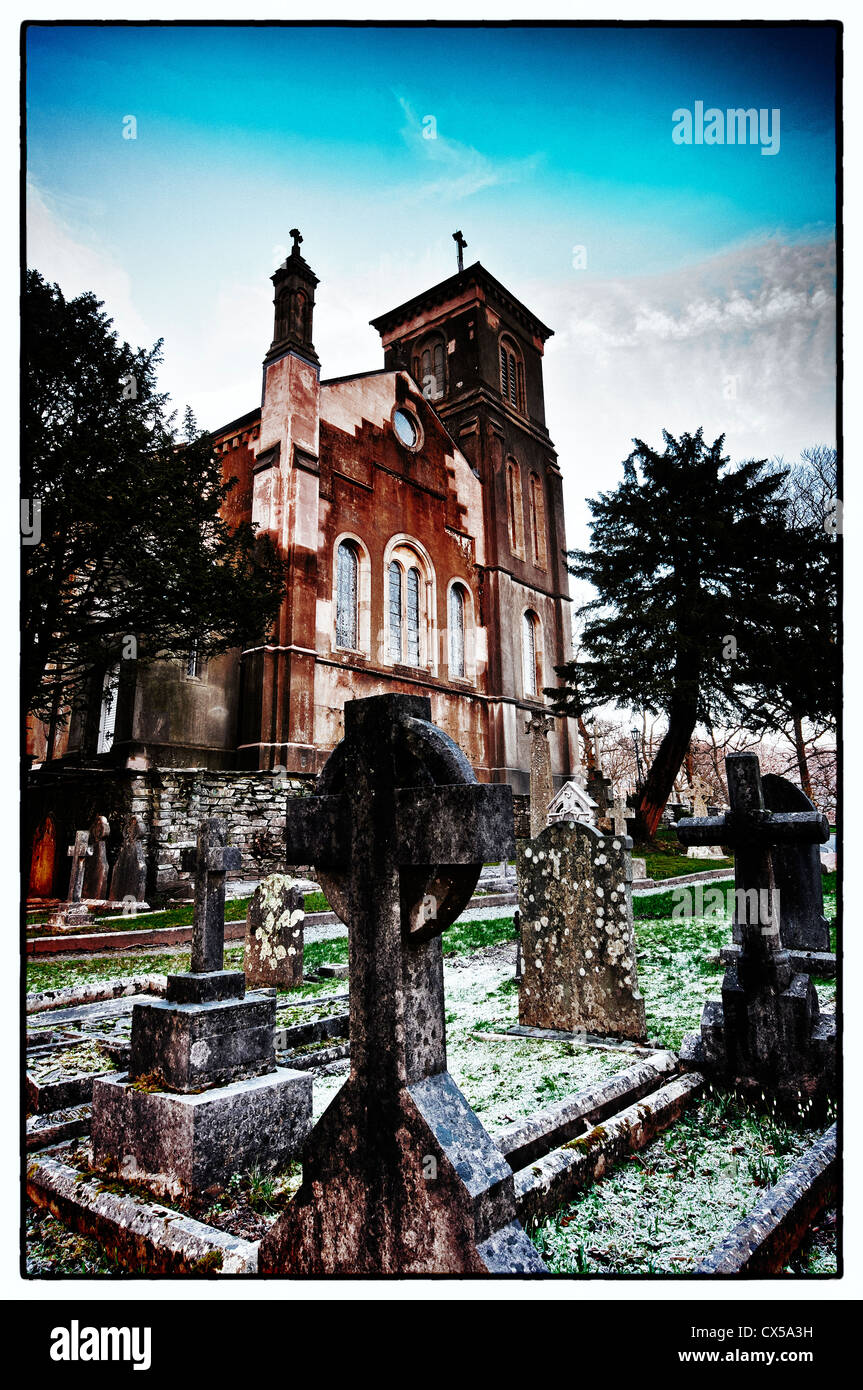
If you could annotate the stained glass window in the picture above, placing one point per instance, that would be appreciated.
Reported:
(413, 617)
(529, 652)
(395, 578)
(346, 596)
(456, 631)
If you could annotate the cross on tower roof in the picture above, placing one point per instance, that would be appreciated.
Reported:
(462, 247)
(297, 239)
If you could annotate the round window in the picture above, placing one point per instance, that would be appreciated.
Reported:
(407, 428)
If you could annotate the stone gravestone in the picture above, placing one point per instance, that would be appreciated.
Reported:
(274, 933)
(767, 1035)
(797, 870)
(572, 802)
(73, 913)
(42, 859)
(399, 1175)
(541, 785)
(599, 789)
(203, 1097)
(577, 936)
(95, 886)
(699, 790)
(129, 876)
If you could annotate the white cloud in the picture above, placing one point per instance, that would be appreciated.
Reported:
(55, 248)
(743, 344)
(463, 170)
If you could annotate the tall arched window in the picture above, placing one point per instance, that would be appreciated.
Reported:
(347, 568)
(430, 368)
(456, 631)
(413, 616)
(410, 604)
(395, 610)
(511, 374)
(537, 520)
(514, 507)
(531, 654)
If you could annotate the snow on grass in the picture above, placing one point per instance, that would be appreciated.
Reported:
(663, 1210)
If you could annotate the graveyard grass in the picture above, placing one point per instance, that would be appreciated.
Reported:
(660, 1211)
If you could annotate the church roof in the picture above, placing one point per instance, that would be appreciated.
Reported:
(487, 288)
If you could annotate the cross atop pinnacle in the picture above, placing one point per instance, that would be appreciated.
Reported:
(297, 239)
(462, 246)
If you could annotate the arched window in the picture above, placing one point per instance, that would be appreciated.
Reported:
(410, 604)
(511, 374)
(413, 616)
(514, 507)
(456, 631)
(347, 588)
(537, 520)
(395, 610)
(430, 368)
(531, 654)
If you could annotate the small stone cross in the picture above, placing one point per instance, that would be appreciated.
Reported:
(78, 853)
(211, 860)
(619, 816)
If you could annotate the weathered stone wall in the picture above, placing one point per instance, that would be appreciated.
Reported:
(171, 803)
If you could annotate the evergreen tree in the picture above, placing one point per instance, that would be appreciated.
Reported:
(125, 510)
(692, 562)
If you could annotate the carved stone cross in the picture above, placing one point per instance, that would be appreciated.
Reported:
(462, 247)
(767, 1036)
(78, 854)
(753, 831)
(297, 240)
(619, 816)
(399, 1175)
(541, 784)
(207, 978)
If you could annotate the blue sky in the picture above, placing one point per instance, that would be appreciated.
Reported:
(705, 266)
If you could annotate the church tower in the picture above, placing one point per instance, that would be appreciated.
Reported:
(295, 284)
(277, 708)
(476, 353)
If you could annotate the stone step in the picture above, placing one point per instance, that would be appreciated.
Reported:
(542, 1187)
(528, 1139)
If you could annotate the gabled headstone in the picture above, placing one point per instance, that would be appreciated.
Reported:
(797, 870)
(577, 935)
(399, 1175)
(572, 802)
(203, 1097)
(274, 933)
(768, 1034)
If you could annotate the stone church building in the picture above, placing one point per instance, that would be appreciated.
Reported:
(419, 509)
